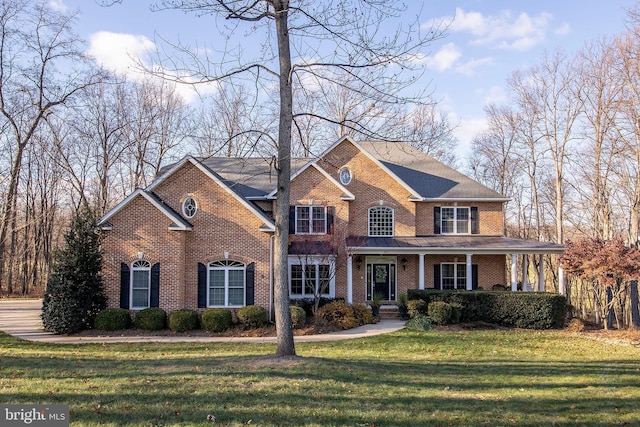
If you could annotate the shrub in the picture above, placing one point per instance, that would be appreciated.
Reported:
(252, 316)
(415, 307)
(456, 312)
(113, 319)
(363, 315)
(419, 323)
(338, 314)
(298, 316)
(151, 319)
(308, 304)
(216, 319)
(439, 312)
(183, 320)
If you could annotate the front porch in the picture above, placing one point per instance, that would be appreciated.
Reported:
(390, 266)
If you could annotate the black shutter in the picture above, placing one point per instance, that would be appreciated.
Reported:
(331, 210)
(202, 285)
(474, 276)
(155, 285)
(292, 220)
(436, 277)
(475, 227)
(250, 284)
(124, 285)
(436, 220)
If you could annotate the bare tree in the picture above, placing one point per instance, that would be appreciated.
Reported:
(327, 37)
(36, 43)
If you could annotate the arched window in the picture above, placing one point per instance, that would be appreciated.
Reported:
(381, 221)
(226, 284)
(140, 284)
(189, 207)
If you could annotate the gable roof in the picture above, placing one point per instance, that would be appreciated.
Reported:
(224, 184)
(178, 223)
(425, 177)
(347, 195)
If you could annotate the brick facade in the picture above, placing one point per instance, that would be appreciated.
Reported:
(225, 227)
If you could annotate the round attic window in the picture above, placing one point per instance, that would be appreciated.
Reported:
(345, 176)
(189, 207)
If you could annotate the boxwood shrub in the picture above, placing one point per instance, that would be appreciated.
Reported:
(151, 319)
(252, 316)
(183, 320)
(531, 310)
(439, 312)
(112, 319)
(216, 319)
(298, 316)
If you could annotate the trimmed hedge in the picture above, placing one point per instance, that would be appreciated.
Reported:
(298, 316)
(252, 316)
(439, 312)
(530, 310)
(151, 319)
(183, 320)
(112, 319)
(216, 319)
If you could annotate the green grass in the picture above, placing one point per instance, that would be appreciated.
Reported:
(402, 379)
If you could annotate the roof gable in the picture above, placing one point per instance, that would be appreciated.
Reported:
(178, 223)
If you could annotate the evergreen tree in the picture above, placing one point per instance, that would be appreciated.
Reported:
(74, 292)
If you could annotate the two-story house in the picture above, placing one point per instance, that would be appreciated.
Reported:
(366, 218)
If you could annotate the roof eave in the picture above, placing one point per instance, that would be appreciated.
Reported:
(461, 199)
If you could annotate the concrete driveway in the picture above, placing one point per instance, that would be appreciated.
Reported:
(21, 318)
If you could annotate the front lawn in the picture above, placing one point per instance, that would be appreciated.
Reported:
(401, 379)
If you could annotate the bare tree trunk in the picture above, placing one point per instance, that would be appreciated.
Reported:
(285, 344)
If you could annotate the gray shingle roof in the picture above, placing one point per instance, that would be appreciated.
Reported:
(428, 177)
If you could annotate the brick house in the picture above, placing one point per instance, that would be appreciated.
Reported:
(365, 218)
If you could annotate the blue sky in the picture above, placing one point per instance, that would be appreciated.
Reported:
(487, 41)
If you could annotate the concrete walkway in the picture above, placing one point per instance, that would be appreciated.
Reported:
(21, 318)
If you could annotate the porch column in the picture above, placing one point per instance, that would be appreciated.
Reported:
(350, 279)
(561, 287)
(469, 273)
(421, 271)
(541, 286)
(514, 273)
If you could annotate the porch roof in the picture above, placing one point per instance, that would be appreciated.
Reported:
(448, 244)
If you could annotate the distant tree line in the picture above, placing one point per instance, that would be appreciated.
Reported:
(565, 146)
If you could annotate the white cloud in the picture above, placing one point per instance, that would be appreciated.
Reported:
(469, 67)
(504, 30)
(563, 29)
(58, 5)
(466, 131)
(494, 95)
(444, 58)
(120, 53)
(127, 54)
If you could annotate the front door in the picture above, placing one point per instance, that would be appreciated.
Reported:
(381, 279)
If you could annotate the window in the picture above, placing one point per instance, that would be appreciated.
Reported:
(189, 207)
(307, 275)
(455, 220)
(454, 276)
(345, 176)
(311, 220)
(140, 284)
(380, 221)
(226, 284)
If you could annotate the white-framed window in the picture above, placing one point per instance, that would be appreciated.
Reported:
(189, 207)
(140, 285)
(453, 275)
(455, 220)
(226, 284)
(311, 220)
(346, 175)
(381, 221)
(308, 273)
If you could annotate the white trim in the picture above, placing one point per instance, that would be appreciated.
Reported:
(177, 222)
(455, 220)
(146, 268)
(268, 223)
(226, 270)
(460, 199)
(310, 209)
(316, 260)
(456, 269)
(393, 221)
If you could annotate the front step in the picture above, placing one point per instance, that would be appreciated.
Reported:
(389, 311)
